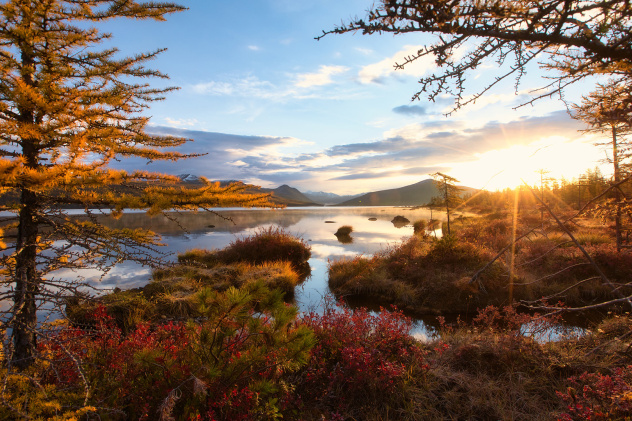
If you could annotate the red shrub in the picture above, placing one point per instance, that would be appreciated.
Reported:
(227, 366)
(130, 373)
(597, 397)
(359, 359)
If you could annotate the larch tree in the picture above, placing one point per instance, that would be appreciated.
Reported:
(608, 110)
(449, 194)
(67, 109)
(571, 39)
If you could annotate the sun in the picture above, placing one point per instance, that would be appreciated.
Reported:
(507, 168)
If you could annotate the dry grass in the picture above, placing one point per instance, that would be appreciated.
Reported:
(421, 276)
(419, 227)
(267, 245)
(344, 230)
(489, 373)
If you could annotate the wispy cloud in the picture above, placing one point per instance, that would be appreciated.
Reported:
(181, 123)
(293, 86)
(383, 70)
(371, 175)
(365, 51)
(254, 48)
(410, 110)
(320, 78)
(250, 86)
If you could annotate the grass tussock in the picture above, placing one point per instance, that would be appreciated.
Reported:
(419, 227)
(267, 245)
(344, 230)
(420, 276)
(172, 292)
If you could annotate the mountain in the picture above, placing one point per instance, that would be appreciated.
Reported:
(289, 196)
(282, 195)
(413, 195)
(328, 198)
(189, 178)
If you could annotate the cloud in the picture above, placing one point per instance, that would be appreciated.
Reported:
(385, 145)
(419, 171)
(189, 122)
(419, 149)
(365, 51)
(410, 110)
(295, 86)
(383, 70)
(320, 78)
(254, 48)
(250, 86)
(225, 156)
(402, 155)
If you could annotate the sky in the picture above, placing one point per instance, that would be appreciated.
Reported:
(270, 105)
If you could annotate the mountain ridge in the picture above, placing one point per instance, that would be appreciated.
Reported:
(416, 194)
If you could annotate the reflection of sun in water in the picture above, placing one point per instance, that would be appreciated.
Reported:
(499, 169)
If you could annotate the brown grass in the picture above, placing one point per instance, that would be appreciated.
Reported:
(344, 230)
(421, 276)
(267, 245)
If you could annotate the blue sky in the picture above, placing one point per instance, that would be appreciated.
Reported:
(270, 105)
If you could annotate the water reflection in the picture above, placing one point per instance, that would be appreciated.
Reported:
(344, 238)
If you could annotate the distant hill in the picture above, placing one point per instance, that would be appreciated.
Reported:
(282, 195)
(189, 178)
(289, 196)
(329, 198)
(413, 195)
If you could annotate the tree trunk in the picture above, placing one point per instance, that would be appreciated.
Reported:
(26, 277)
(617, 193)
(447, 203)
(26, 284)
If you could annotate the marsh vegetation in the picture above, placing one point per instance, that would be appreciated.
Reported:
(474, 268)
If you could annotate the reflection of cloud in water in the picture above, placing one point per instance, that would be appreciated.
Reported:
(125, 275)
(5, 305)
(420, 336)
(79, 275)
(324, 251)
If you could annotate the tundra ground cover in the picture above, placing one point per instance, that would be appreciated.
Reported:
(238, 351)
